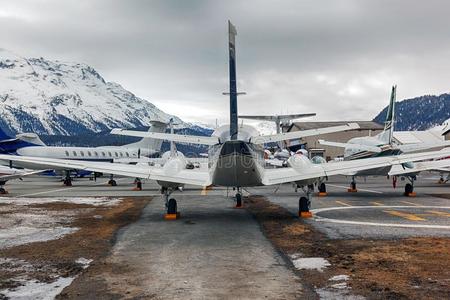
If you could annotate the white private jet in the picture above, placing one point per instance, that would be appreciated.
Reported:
(382, 145)
(7, 173)
(29, 144)
(236, 158)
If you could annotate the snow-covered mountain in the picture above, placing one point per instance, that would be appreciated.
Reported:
(420, 113)
(62, 98)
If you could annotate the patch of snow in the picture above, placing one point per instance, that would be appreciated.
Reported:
(19, 235)
(99, 201)
(337, 295)
(85, 262)
(34, 289)
(339, 286)
(339, 278)
(310, 263)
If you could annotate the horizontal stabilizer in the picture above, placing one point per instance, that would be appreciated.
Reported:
(278, 117)
(262, 139)
(348, 145)
(193, 139)
(421, 146)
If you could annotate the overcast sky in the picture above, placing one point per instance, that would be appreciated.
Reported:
(336, 58)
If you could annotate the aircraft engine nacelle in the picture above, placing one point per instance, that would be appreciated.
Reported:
(408, 165)
(299, 161)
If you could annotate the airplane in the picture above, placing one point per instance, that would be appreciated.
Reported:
(29, 144)
(377, 146)
(235, 158)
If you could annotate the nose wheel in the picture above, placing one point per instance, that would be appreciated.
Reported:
(352, 188)
(171, 205)
(111, 181)
(409, 187)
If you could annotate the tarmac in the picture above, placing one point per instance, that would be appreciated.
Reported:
(217, 251)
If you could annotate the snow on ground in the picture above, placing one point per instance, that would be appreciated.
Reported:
(309, 263)
(22, 225)
(33, 289)
(84, 262)
(95, 201)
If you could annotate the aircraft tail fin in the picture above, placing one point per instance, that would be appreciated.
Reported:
(388, 131)
(148, 142)
(233, 89)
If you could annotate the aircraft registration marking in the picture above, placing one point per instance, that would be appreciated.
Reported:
(407, 216)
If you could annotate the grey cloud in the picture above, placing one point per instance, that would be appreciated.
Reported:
(337, 58)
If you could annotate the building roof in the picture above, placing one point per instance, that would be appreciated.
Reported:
(412, 137)
(365, 125)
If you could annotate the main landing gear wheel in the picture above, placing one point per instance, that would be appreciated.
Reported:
(172, 206)
(112, 182)
(322, 189)
(409, 188)
(352, 188)
(303, 208)
(3, 191)
(238, 200)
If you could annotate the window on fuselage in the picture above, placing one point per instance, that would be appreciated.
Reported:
(103, 154)
(127, 154)
(81, 153)
(95, 153)
(117, 155)
(121, 154)
(67, 153)
(109, 153)
(89, 153)
(74, 153)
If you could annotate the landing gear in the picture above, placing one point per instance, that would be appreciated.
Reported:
(67, 179)
(304, 202)
(442, 180)
(171, 205)
(138, 184)
(322, 189)
(238, 198)
(3, 191)
(111, 181)
(352, 188)
(409, 187)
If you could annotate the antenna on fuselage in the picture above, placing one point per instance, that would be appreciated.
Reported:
(233, 89)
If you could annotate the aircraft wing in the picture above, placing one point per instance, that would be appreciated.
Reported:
(422, 146)
(194, 139)
(262, 139)
(437, 165)
(347, 145)
(310, 171)
(20, 175)
(195, 176)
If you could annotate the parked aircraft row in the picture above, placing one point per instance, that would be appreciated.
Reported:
(236, 156)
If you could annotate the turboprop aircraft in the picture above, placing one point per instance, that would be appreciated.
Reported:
(29, 144)
(236, 158)
(7, 173)
(381, 145)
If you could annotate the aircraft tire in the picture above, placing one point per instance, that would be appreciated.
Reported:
(172, 206)
(303, 204)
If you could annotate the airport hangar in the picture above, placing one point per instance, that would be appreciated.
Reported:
(367, 128)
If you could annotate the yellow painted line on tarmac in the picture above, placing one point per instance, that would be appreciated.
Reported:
(410, 203)
(439, 213)
(342, 203)
(377, 203)
(407, 216)
(204, 191)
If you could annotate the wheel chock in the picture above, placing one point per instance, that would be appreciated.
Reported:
(305, 214)
(239, 206)
(413, 194)
(137, 189)
(322, 194)
(352, 190)
(171, 216)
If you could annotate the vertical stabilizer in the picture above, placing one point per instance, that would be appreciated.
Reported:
(387, 134)
(233, 90)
